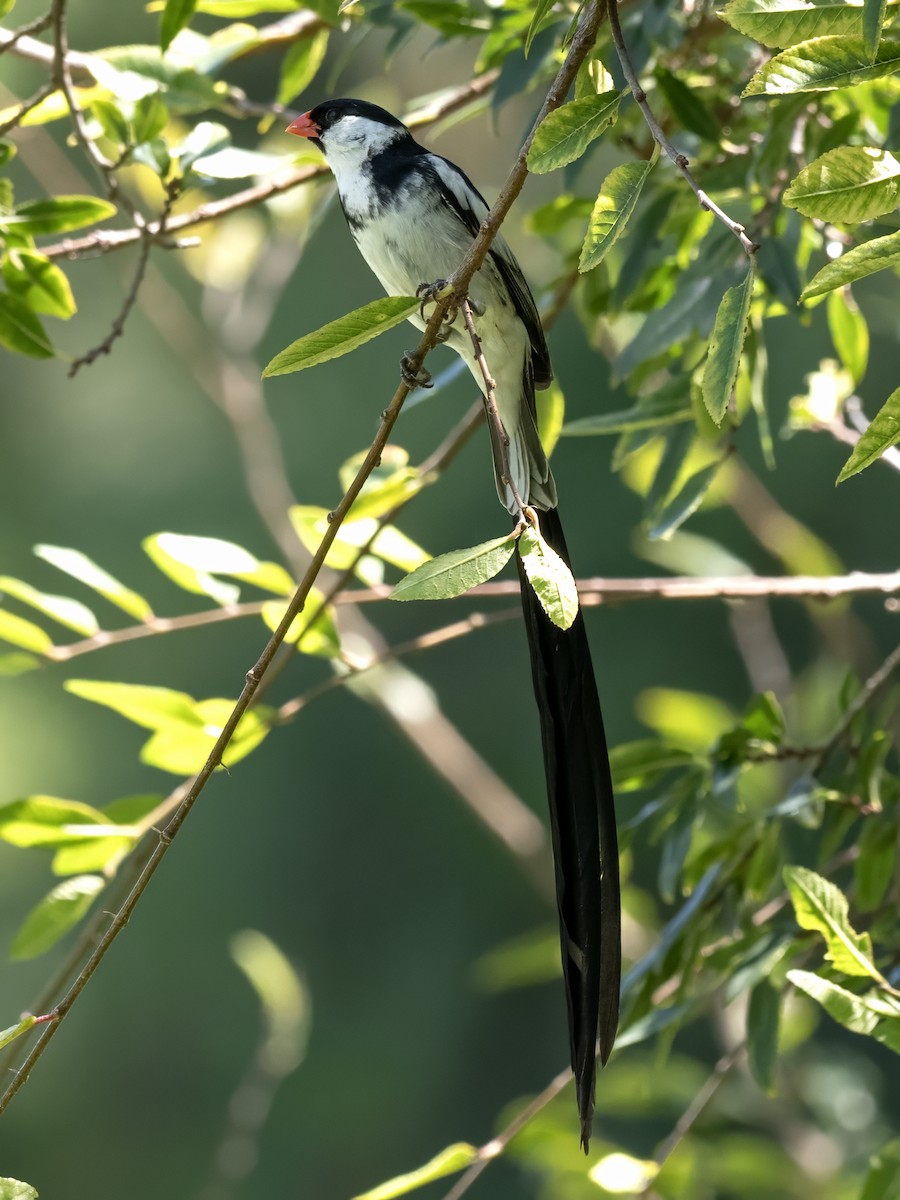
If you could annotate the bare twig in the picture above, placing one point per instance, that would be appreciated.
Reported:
(680, 161)
(842, 432)
(10, 39)
(25, 107)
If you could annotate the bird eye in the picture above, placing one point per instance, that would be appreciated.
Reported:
(332, 115)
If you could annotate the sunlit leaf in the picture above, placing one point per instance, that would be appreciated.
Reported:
(176, 15)
(7, 1036)
(321, 637)
(20, 330)
(456, 572)
(851, 183)
(550, 578)
(84, 569)
(283, 997)
(882, 433)
(823, 64)
(541, 8)
(20, 632)
(565, 134)
(849, 333)
(615, 203)
(183, 748)
(63, 609)
(193, 562)
(861, 1014)
(47, 821)
(152, 707)
(341, 336)
(877, 255)
(39, 282)
(14, 1189)
(300, 64)
(451, 1160)
(551, 414)
(58, 214)
(55, 915)
(821, 906)
(726, 347)
(780, 23)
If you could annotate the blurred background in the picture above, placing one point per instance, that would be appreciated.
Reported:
(343, 839)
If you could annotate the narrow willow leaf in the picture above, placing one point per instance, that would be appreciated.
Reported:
(638, 765)
(7, 1036)
(55, 915)
(192, 562)
(47, 821)
(565, 134)
(300, 65)
(615, 203)
(20, 632)
(541, 8)
(17, 663)
(687, 107)
(176, 15)
(84, 569)
(849, 333)
(341, 336)
(823, 64)
(551, 415)
(877, 255)
(452, 574)
(848, 1009)
(762, 1034)
(522, 961)
(451, 1160)
(821, 906)
(683, 503)
(883, 433)
(852, 183)
(283, 998)
(58, 215)
(780, 23)
(63, 609)
(726, 347)
(152, 707)
(619, 1173)
(15, 1189)
(642, 416)
(550, 578)
(20, 330)
(873, 19)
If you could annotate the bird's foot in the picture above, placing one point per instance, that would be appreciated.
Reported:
(429, 293)
(411, 376)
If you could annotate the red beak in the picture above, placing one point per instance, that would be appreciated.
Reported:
(304, 126)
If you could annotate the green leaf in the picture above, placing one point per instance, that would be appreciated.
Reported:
(152, 707)
(551, 415)
(84, 569)
(58, 215)
(47, 821)
(105, 846)
(63, 609)
(7, 1036)
(762, 1034)
(20, 330)
(685, 502)
(849, 333)
(855, 1013)
(7, 150)
(780, 23)
(873, 19)
(17, 664)
(193, 562)
(852, 183)
(452, 574)
(341, 336)
(541, 8)
(612, 210)
(183, 748)
(873, 870)
(882, 433)
(111, 121)
(300, 65)
(176, 15)
(39, 283)
(550, 578)
(724, 360)
(150, 118)
(451, 1160)
(819, 905)
(640, 764)
(14, 1189)
(688, 109)
(283, 997)
(321, 637)
(565, 134)
(877, 255)
(55, 915)
(823, 64)
(642, 416)
(20, 632)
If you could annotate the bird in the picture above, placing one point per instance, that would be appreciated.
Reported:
(413, 215)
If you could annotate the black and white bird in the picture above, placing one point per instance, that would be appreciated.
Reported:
(413, 216)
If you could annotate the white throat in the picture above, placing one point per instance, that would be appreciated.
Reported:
(354, 140)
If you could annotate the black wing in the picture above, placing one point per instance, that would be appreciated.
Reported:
(460, 194)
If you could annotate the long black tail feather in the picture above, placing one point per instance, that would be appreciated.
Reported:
(583, 827)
